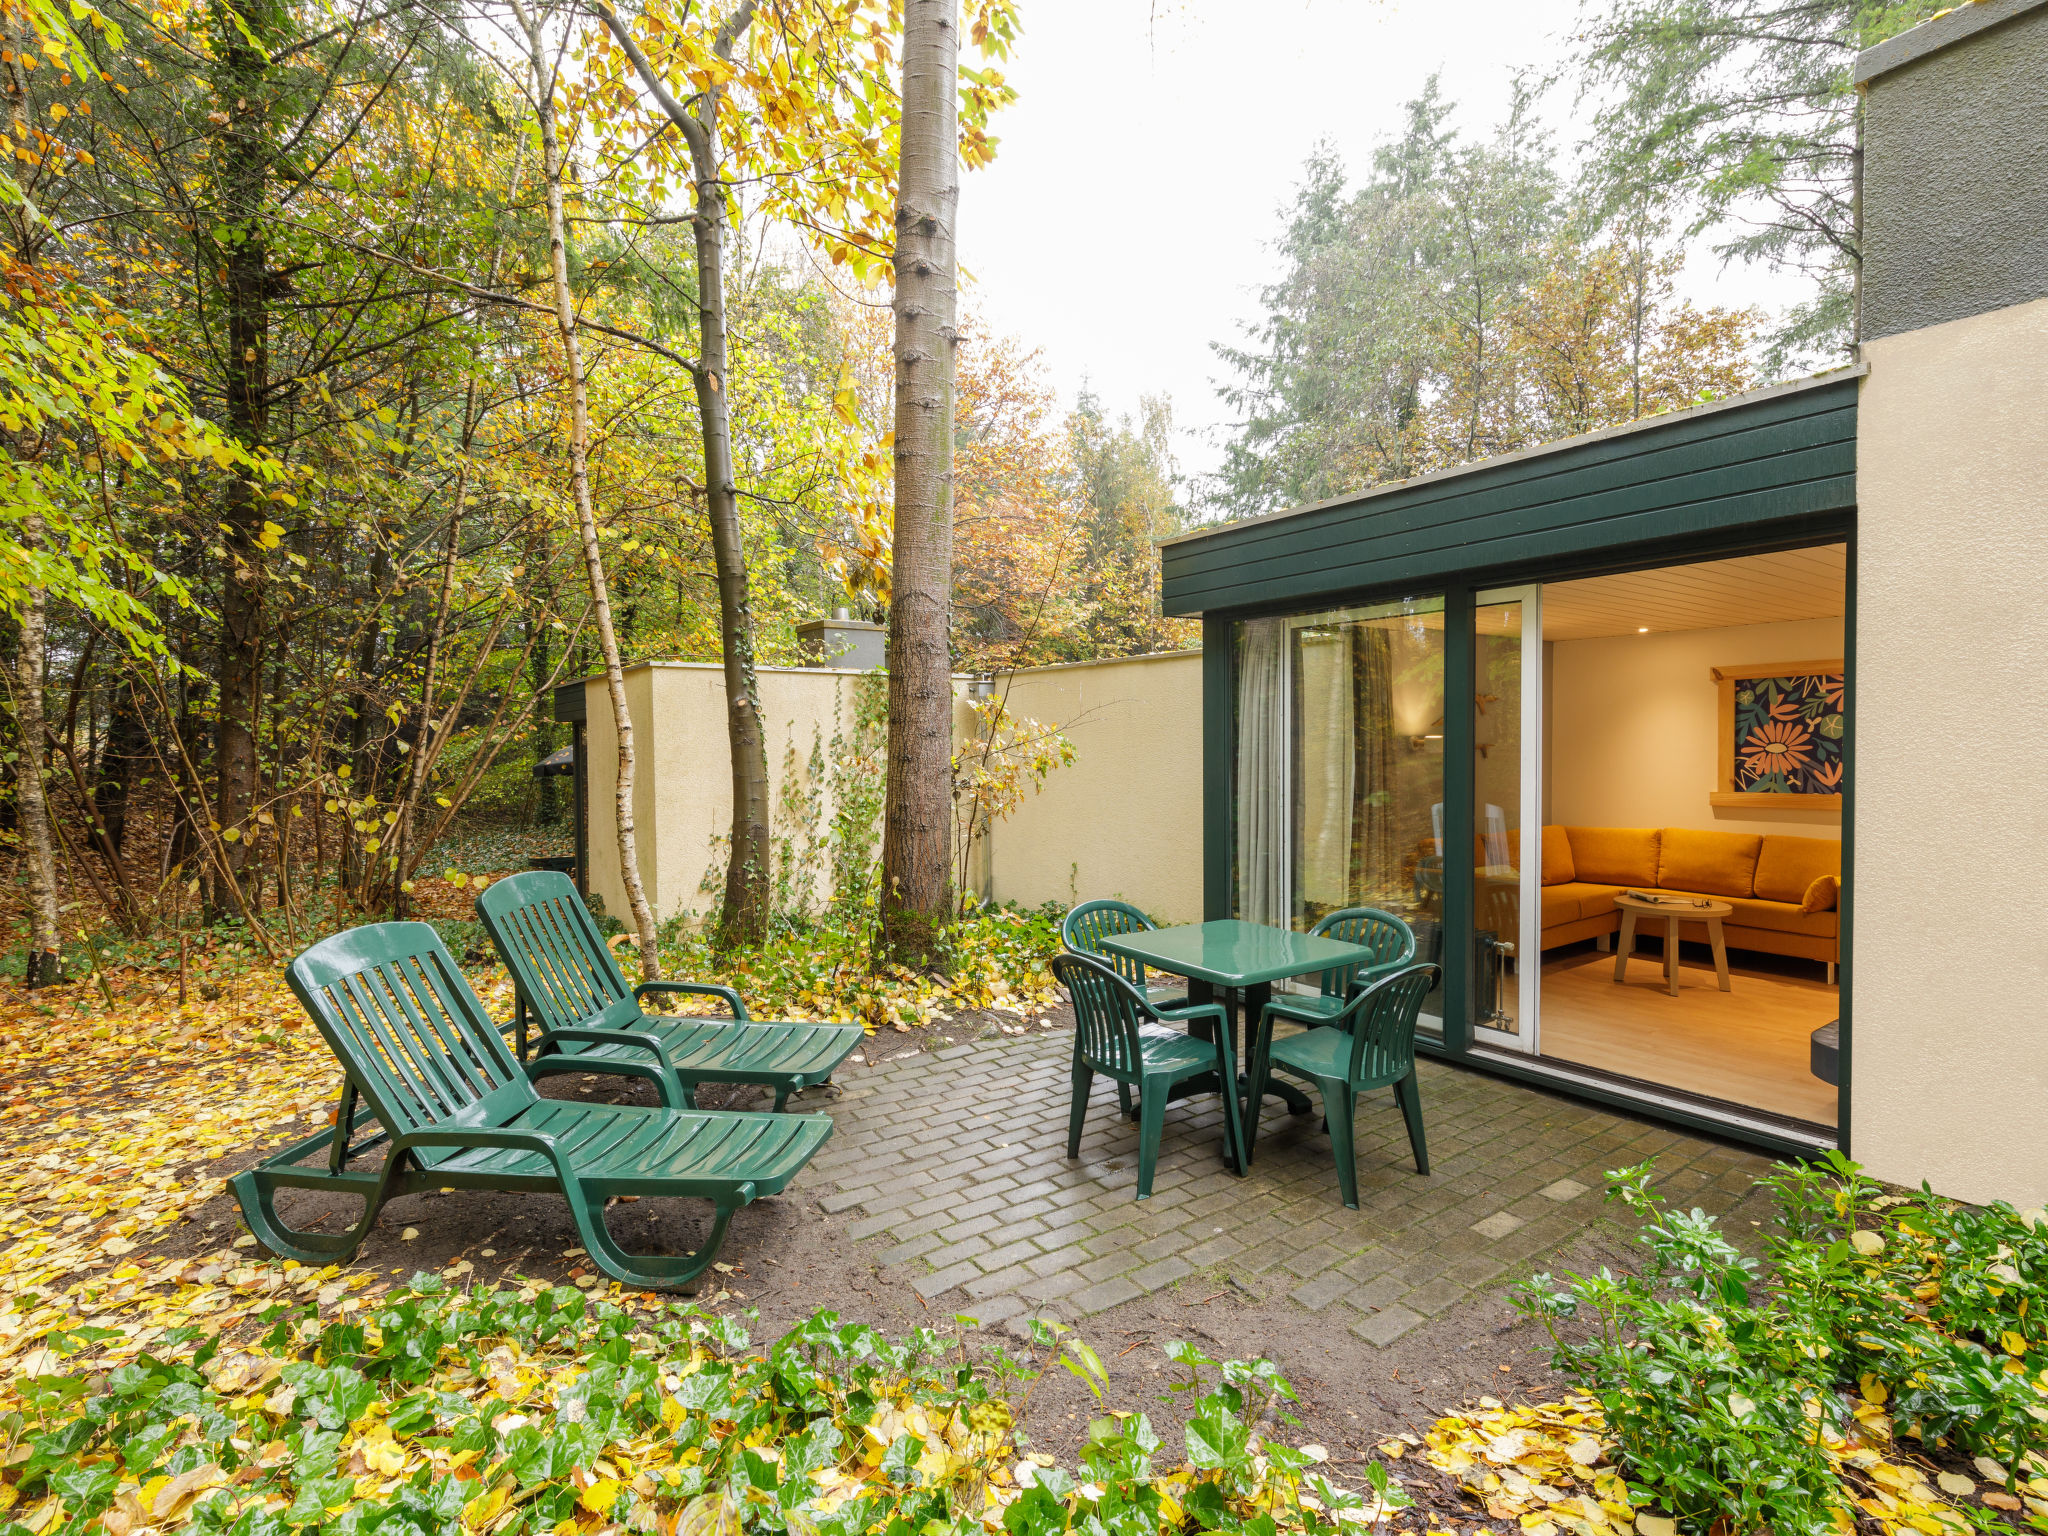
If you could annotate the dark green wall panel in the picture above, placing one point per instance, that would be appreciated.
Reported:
(1784, 455)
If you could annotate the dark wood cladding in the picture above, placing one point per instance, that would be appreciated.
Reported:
(1783, 455)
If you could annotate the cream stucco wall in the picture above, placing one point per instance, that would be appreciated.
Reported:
(1950, 1066)
(683, 784)
(1635, 720)
(1125, 818)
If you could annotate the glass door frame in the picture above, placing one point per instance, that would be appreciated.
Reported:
(1527, 1036)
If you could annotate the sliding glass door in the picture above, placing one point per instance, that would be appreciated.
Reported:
(1340, 769)
(1507, 817)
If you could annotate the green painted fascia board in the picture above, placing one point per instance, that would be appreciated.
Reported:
(1772, 427)
(1430, 570)
(1786, 455)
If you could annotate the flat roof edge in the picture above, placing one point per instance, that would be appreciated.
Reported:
(1839, 375)
(1101, 661)
(1939, 31)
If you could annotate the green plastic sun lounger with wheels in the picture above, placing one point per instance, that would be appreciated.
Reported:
(425, 1063)
(567, 980)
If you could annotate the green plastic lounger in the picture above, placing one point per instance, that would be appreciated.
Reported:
(566, 978)
(444, 1091)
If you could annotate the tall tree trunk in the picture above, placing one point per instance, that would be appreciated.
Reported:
(121, 764)
(743, 918)
(242, 179)
(917, 814)
(579, 476)
(45, 962)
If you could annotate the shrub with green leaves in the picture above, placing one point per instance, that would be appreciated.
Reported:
(434, 1412)
(1740, 1393)
(993, 957)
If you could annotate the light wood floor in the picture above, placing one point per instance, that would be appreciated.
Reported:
(1748, 1045)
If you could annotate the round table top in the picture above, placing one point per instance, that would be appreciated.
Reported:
(1684, 907)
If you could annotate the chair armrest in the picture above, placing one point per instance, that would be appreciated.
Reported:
(582, 1035)
(463, 1138)
(1192, 1011)
(727, 995)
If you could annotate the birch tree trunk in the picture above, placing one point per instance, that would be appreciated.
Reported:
(579, 475)
(743, 916)
(917, 813)
(45, 962)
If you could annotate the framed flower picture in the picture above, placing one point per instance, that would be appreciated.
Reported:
(1781, 735)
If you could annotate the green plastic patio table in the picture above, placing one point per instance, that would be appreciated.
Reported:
(1242, 960)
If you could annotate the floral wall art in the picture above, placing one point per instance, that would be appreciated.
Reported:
(1781, 733)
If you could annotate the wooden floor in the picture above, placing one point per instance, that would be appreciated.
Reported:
(1748, 1045)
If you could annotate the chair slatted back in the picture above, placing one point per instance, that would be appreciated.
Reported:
(1391, 941)
(1107, 1012)
(1084, 928)
(1382, 1023)
(410, 1033)
(558, 959)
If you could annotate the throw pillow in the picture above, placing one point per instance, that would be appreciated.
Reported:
(1820, 896)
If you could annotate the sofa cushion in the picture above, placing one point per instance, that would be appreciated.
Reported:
(1820, 896)
(1614, 855)
(1713, 863)
(1788, 865)
(1558, 867)
(1573, 899)
(1779, 917)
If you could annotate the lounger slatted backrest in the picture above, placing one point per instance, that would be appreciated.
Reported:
(558, 959)
(409, 1031)
(1107, 1012)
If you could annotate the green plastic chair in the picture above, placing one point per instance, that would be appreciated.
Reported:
(1370, 1045)
(1084, 928)
(1392, 943)
(591, 1021)
(457, 1112)
(1125, 1038)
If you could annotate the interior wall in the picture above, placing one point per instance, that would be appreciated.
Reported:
(1634, 725)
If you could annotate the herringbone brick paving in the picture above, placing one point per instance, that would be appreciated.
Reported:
(955, 1163)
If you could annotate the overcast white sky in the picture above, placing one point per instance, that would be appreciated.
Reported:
(1128, 219)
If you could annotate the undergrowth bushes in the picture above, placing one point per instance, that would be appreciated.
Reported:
(994, 957)
(541, 1412)
(1780, 1395)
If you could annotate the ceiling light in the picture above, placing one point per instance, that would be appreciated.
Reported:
(1644, 630)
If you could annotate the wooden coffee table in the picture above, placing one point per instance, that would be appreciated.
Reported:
(1671, 913)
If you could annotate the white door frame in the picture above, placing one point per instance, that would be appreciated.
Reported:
(1529, 942)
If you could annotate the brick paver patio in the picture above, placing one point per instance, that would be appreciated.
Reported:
(957, 1163)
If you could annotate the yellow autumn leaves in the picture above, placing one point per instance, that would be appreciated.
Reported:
(1548, 1468)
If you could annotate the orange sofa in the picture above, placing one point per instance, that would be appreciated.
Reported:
(1783, 890)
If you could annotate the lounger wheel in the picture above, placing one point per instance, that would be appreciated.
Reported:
(256, 1191)
(647, 1271)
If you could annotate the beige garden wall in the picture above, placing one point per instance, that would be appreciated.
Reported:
(683, 786)
(1125, 819)
(1635, 724)
(1951, 948)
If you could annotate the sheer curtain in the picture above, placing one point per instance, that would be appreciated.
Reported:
(1322, 663)
(1262, 895)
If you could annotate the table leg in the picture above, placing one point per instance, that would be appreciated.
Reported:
(1203, 992)
(1625, 945)
(1720, 942)
(1671, 956)
(1257, 1042)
